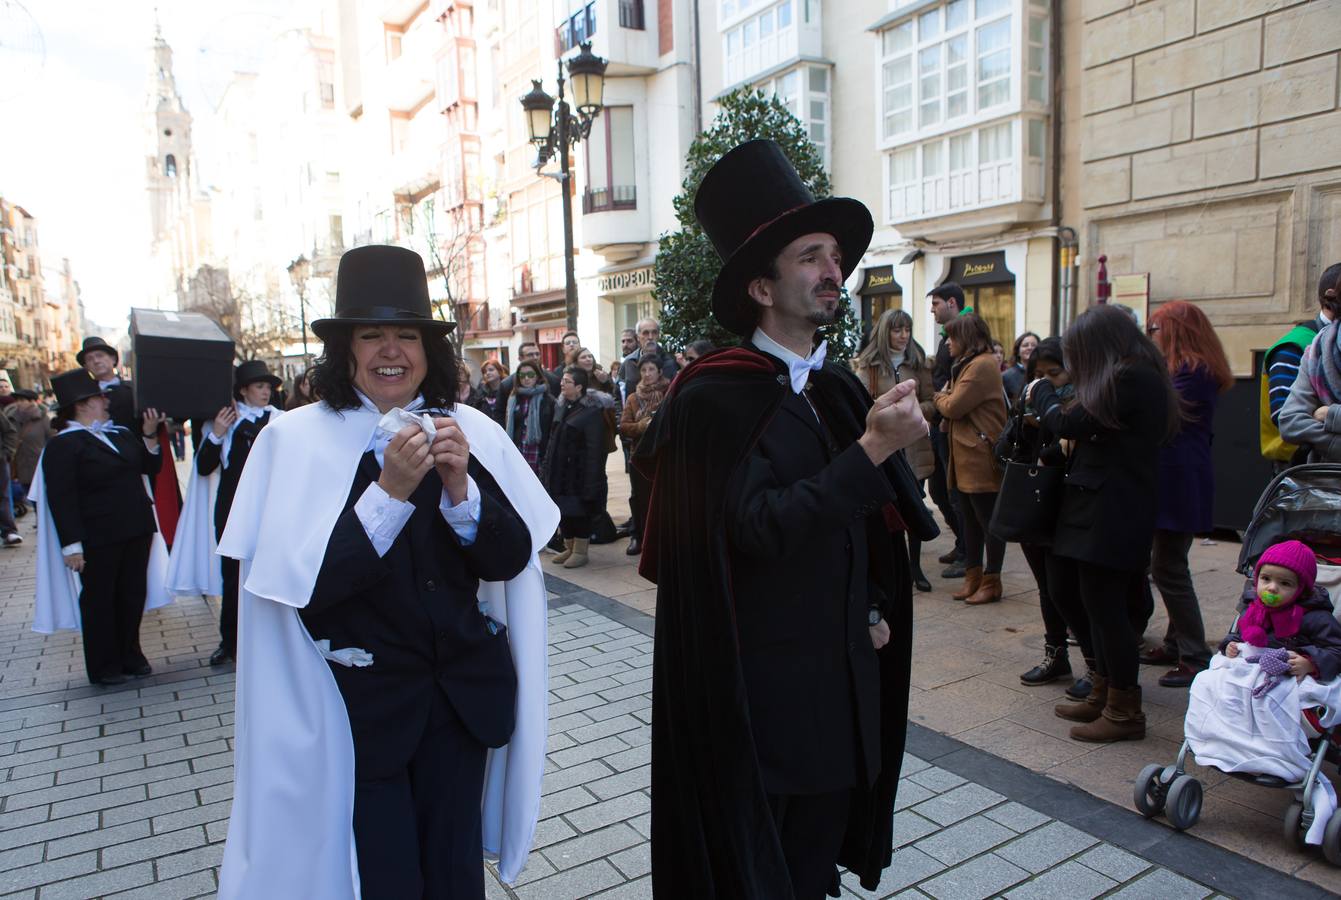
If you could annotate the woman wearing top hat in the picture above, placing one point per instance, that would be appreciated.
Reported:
(228, 440)
(391, 619)
(92, 474)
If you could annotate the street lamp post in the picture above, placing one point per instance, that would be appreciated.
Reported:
(555, 130)
(299, 269)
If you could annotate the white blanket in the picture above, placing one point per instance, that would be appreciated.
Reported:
(1231, 730)
(291, 831)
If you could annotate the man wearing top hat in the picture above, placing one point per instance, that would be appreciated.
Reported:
(101, 359)
(228, 439)
(776, 539)
(391, 646)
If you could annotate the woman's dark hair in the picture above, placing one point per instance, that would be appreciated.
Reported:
(332, 377)
(1329, 290)
(1101, 345)
(971, 333)
(579, 376)
(534, 367)
(1049, 349)
(700, 346)
(64, 416)
(1015, 351)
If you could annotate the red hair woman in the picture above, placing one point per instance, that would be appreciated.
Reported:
(1200, 373)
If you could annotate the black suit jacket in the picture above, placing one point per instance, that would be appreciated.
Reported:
(415, 611)
(209, 456)
(122, 406)
(796, 520)
(96, 494)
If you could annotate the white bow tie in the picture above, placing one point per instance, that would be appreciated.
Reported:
(800, 369)
(106, 426)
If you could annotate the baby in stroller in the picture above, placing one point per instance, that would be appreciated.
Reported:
(1274, 684)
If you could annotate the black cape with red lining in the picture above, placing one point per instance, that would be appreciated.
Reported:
(712, 829)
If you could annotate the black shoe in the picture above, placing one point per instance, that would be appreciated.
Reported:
(920, 580)
(1080, 688)
(624, 530)
(140, 671)
(954, 570)
(952, 556)
(1180, 676)
(635, 547)
(1054, 665)
(221, 656)
(108, 680)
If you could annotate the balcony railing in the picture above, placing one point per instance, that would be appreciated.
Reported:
(579, 27)
(621, 196)
(631, 15)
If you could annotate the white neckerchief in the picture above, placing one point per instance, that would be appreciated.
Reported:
(245, 413)
(382, 436)
(99, 430)
(109, 383)
(798, 366)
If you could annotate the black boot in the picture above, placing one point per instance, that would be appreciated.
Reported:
(915, 559)
(1080, 689)
(1054, 665)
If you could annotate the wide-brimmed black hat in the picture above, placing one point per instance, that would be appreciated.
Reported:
(751, 204)
(96, 343)
(381, 285)
(73, 386)
(252, 371)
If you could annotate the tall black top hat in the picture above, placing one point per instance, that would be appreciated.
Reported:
(381, 284)
(96, 343)
(751, 204)
(74, 385)
(250, 372)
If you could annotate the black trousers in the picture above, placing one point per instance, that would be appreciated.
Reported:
(975, 512)
(1064, 598)
(811, 828)
(575, 527)
(228, 606)
(417, 830)
(1054, 623)
(111, 605)
(1111, 597)
(939, 489)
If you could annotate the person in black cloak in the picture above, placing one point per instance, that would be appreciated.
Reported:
(776, 538)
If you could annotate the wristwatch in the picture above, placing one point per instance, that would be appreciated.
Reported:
(873, 616)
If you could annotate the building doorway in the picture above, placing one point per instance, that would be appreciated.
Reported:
(989, 287)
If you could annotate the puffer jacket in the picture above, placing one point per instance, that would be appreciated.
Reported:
(573, 470)
(921, 457)
(1318, 637)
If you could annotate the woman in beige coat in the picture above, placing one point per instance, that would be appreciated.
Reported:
(893, 356)
(974, 407)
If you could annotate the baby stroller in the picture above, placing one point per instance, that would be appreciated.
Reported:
(1303, 503)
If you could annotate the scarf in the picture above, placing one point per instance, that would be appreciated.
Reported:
(99, 430)
(531, 434)
(1322, 361)
(1285, 621)
(649, 396)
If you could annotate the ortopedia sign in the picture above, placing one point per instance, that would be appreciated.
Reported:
(628, 280)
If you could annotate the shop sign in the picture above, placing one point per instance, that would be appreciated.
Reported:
(879, 280)
(982, 268)
(1133, 292)
(551, 335)
(628, 280)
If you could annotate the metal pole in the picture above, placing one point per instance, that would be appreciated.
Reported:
(302, 317)
(565, 181)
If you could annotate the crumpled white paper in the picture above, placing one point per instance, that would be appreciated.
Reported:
(349, 657)
(397, 418)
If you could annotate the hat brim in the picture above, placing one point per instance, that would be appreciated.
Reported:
(116, 357)
(848, 220)
(273, 380)
(324, 328)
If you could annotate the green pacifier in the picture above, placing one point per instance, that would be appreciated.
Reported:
(1271, 599)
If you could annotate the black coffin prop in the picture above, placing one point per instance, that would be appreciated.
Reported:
(183, 363)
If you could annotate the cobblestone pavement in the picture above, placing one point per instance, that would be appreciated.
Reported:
(126, 792)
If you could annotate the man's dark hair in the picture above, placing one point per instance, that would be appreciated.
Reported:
(948, 291)
(1329, 290)
(579, 376)
(700, 346)
(524, 344)
(628, 331)
(332, 376)
(567, 335)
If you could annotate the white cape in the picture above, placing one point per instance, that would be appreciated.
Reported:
(193, 565)
(1230, 729)
(57, 602)
(291, 831)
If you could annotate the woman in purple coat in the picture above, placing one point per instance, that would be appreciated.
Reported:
(1200, 374)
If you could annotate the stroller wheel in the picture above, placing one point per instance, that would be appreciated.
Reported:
(1149, 793)
(1331, 840)
(1294, 825)
(1183, 806)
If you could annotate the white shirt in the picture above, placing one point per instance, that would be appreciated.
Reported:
(799, 366)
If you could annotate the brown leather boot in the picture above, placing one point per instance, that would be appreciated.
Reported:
(562, 556)
(1089, 709)
(989, 590)
(1122, 719)
(972, 581)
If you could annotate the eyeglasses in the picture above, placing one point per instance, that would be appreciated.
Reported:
(1151, 329)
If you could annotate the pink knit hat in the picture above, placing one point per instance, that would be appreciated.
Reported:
(1295, 556)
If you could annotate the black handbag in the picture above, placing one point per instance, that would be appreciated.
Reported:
(1030, 495)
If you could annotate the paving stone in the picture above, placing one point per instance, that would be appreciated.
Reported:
(1116, 863)
(1162, 884)
(958, 803)
(583, 773)
(564, 801)
(49, 872)
(965, 840)
(586, 847)
(1044, 847)
(983, 877)
(936, 779)
(633, 890)
(95, 840)
(1016, 816)
(551, 831)
(909, 865)
(909, 827)
(910, 793)
(630, 780)
(584, 752)
(46, 831)
(194, 885)
(635, 861)
(1070, 880)
(590, 818)
(152, 847)
(22, 856)
(583, 881)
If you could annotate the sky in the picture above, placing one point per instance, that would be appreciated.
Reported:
(74, 152)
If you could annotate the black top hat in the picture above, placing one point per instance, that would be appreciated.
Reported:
(74, 385)
(250, 372)
(751, 204)
(96, 343)
(381, 284)
(25, 394)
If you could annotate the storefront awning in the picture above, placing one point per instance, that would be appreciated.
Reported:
(879, 280)
(980, 268)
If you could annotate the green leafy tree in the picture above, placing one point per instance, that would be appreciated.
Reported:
(686, 263)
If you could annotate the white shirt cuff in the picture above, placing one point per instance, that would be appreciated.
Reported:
(151, 443)
(212, 437)
(382, 516)
(71, 549)
(464, 517)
